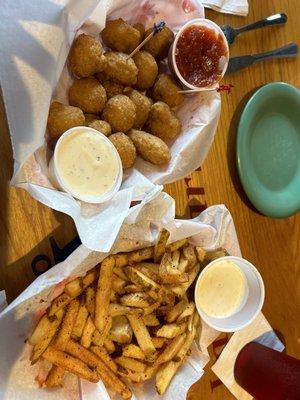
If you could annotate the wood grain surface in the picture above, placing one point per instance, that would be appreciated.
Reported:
(272, 245)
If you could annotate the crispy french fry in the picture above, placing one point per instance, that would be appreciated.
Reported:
(90, 277)
(189, 254)
(168, 331)
(133, 351)
(150, 320)
(102, 353)
(189, 310)
(119, 271)
(55, 376)
(40, 330)
(164, 376)
(64, 333)
(42, 345)
(132, 288)
(131, 363)
(183, 264)
(80, 322)
(87, 333)
(103, 292)
(176, 245)
(141, 254)
(175, 278)
(160, 246)
(174, 313)
(58, 303)
(118, 284)
(213, 255)
(142, 280)
(100, 369)
(121, 331)
(74, 288)
(159, 342)
(99, 338)
(149, 269)
(175, 258)
(138, 377)
(116, 309)
(69, 363)
(172, 349)
(180, 290)
(142, 336)
(109, 345)
(139, 300)
(151, 308)
(164, 310)
(90, 296)
(200, 253)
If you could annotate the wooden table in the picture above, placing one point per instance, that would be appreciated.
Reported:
(272, 245)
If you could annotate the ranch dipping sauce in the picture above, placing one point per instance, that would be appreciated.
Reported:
(87, 165)
(222, 290)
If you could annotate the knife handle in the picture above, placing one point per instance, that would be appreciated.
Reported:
(275, 19)
(289, 50)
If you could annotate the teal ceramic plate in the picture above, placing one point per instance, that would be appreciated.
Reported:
(268, 150)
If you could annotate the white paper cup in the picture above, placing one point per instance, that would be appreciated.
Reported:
(58, 182)
(172, 60)
(251, 304)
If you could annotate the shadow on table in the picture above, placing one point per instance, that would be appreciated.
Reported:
(231, 150)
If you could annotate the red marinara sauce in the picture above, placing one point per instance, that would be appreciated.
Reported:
(198, 53)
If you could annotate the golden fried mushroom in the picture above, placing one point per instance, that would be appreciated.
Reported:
(160, 43)
(120, 36)
(150, 147)
(120, 113)
(61, 118)
(125, 148)
(90, 118)
(163, 122)
(112, 88)
(101, 126)
(140, 27)
(86, 56)
(142, 104)
(166, 89)
(147, 69)
(87, 94)
(121, 69)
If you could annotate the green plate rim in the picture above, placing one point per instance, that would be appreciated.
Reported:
(258, 203)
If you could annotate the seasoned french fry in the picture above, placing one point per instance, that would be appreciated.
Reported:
(138, 377)
(90, 296)
(150, 320)
(133, 351)
(100, 369)
(176, 245)
(175, 278)
(168, 331)
(189, 254)
(149, 269)
(141, 255)
(142, 336)
(119, 271)
(168, 267)
(121, 260)
(173, 314)
(200, 253)
(103, 292)
(42, 345)
(131, 363)
(58, 303)
(80, 322)
(132, 288)
(213, 255)
(139, 300)
(64, 333)
(116, 309)
(160, 246)
(55, 376)
(121, 331)
(159, 342)
(74, 288)
(180, 290)
(175, 258)
(102, 353)
(118, 284)
(151, 308)
(87, 333)
(71, 364)
(189, 310)
(109, 345)
(99, 338)
(90, 277)
(40, 330)
(172, 349)
(183, 264)
(142, 280)
(164, 376)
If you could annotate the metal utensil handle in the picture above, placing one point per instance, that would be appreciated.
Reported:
(275, 19)
(289, 50)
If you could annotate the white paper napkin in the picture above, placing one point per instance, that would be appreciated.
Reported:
(237, 7)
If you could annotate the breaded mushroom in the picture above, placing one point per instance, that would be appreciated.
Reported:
(120, 36)
(147, 69)
(143, 105)
(86, 56)
(62, 117)
(90, 118)
(121, 69)
(120, 113)
(166, 89)
(112, 88)
(87, 94)
(163, 122)
(150, 147)
(125, 148)
(101, 126)
(160, 43)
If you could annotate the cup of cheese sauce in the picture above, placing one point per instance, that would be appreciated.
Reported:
(229, 293)
(86, 165)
